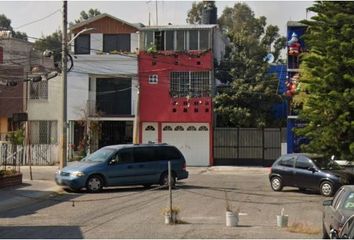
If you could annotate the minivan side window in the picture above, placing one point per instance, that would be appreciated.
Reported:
(303, 162)
(125, 155)
(166, 153)
(287, 161)
(144, 154)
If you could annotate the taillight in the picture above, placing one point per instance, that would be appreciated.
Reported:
(184, 166)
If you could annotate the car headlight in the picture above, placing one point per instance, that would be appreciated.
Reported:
(77, 174)
(58, 172)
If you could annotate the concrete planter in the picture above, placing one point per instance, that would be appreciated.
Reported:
(231, 219)
(11, 180)
(171, 219)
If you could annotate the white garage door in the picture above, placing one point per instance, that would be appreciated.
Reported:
(150, 132)
(192, 139)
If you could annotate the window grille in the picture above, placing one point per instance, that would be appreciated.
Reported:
(43, 132)
(167, 128)
(179, 128)
(39, 90)
(153, 79)
(193, 84)
(203, 128)
(149, 128)
(191, 128)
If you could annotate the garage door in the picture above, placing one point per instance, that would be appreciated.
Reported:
(150, 132)
(192, 139)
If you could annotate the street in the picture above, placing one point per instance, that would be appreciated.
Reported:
(135, 212)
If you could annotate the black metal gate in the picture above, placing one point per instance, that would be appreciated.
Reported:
(247, 146)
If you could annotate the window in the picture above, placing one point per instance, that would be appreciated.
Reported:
(349, 202)
(287, 161)
(39, 90)
(149, 39)
(149, 128)
(200, 84)
(126, 155)
(204, 40)
(167, 153)
(337, 198)
(193, 84)
(180, 41)
(203, 128)
(153, 79)
(179, 128)
(144, 154)
(191, 128)
(170, 40)
(43, 132)
(160, 41)
(116, 42)
(193, 40)
(167, 128)
(82, 44)
(303, 162)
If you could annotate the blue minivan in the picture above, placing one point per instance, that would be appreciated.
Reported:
(128, 164)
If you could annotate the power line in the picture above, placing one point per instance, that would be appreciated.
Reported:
(38, 20)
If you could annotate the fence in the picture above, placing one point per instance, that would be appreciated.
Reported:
(41, 154)
(247, 146)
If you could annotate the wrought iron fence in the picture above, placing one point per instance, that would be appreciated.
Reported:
(247, 146)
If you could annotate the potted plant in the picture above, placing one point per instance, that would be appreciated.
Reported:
(171, 215)
(231, 216)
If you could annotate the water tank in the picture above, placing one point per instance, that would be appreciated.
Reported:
(209, 14)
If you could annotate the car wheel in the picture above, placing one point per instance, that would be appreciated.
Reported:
(164, 179)
(94, 184)
(326, 188)
(276, 183)
(324, 233)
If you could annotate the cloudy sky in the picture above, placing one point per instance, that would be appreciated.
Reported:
(175, 12)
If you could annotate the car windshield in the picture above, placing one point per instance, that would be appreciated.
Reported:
(100, 155)
(326, 164)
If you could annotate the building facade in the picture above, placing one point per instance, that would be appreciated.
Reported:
(102, 84)
(176, 85)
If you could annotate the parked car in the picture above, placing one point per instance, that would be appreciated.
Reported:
(130, 164)
(347, 231)
(337, 211)
(309, 172)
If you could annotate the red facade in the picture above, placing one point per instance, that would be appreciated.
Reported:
(156, 102)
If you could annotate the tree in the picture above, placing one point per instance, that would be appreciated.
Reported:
(327, 72)
(51, 42)
(87, 15)
(5, 24)
(194, 15)
(249, 100)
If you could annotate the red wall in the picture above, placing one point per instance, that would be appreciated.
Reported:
(156, 104)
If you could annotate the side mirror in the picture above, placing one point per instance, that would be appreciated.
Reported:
(113, 161)
(333, 234)
(327, 202)
(312, 169)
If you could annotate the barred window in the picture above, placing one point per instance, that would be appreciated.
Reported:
(39, 90)
(149, 128)
(193, 84)
(43, 132)
(167, 128)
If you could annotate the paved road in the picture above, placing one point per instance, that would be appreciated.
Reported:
(134, 212)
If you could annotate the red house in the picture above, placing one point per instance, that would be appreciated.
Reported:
(176, 80)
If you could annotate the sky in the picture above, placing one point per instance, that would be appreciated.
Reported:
(175, 12)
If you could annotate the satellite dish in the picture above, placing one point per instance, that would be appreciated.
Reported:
(269, 58)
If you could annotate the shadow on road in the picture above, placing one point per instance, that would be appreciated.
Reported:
(41, 232)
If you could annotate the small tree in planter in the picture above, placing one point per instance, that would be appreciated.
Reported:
(10, 177)
(231, 216)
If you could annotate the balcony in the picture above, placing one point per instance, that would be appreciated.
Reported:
(105, 108)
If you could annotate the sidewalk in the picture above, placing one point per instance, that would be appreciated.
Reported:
(41, 187)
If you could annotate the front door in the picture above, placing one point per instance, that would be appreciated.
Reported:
(305, 177)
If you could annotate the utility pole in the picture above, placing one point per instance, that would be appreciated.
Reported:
(64, 44)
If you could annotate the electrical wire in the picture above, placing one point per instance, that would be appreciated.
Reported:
(38, 20)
